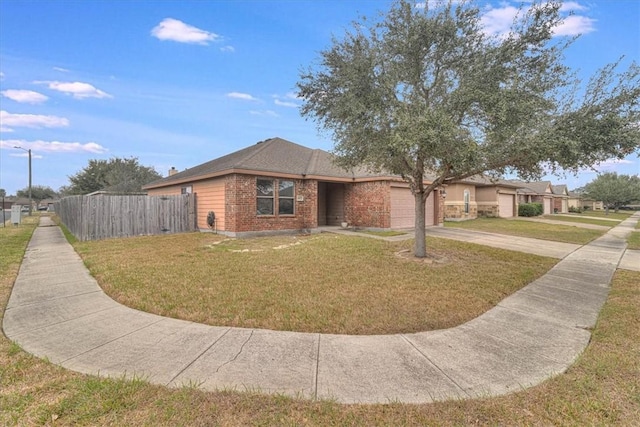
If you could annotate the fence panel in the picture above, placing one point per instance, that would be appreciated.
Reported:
(104, 216)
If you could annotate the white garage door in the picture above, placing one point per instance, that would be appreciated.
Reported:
(403, 208)
(506, 205)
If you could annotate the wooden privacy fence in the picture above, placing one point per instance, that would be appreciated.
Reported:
(104, 216)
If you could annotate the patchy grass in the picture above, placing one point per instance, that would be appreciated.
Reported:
(322, 283)
(600, 389)
(633, 241)
(535, 230)
(620, 215)
(577, 219)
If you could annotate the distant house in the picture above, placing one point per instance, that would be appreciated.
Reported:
(278, 186)
(560, 198)
(480, 196)
(536, 192)
(575, 200)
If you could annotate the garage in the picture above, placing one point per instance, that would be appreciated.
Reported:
(547, 206)
(505, 204)
(403, 208)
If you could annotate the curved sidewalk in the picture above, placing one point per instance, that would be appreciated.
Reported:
(58, 311)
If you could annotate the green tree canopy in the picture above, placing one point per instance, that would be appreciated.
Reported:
(38, 193)
(614, 190)
(116, 174)
(426, 94)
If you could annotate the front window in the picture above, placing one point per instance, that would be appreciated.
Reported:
(265, 196)
(186, 190)
(466, 201)
(285, 198)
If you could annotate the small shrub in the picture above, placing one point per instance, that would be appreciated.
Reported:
(575, 209)
(530, 209)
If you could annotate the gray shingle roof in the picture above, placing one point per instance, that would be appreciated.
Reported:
(275, 155)
(536, 187)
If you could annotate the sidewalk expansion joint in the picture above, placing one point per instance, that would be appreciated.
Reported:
(404, 337)
(198, 357)
(53, 299)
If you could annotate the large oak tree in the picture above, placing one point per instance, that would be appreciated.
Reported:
(426, 91)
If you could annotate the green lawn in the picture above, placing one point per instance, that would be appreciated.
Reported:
(523, 228)
(321, 283)
(621, 215)
(593, 220)
(633, 241)
(600, 389)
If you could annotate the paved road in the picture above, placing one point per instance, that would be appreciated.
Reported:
(58, 311)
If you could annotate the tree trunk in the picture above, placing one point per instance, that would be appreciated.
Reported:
(420, 246)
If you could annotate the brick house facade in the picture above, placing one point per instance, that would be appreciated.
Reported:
(277, 186)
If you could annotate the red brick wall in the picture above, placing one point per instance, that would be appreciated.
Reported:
(368, 204)
(241, 208)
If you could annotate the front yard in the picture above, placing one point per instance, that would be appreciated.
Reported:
(535, 230)
(600, 389)
(321, 283)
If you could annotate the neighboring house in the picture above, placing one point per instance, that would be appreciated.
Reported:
(592, 204)
(575, 200)
(536, 192)
(480, 196)
(460, 201)
(560, 198)
(497, 198)
(278, 186)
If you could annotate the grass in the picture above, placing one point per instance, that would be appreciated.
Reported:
(322, 283)
(580, 220)
(633, 241)
(600, 389)
(536, 230)
(621, 215)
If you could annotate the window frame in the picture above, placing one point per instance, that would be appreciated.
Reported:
(271, 197)
(467, 200)
(276, 197)
(292, 198)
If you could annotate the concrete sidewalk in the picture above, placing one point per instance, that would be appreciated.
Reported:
(58, 311)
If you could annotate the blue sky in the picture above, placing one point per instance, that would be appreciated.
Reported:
(178, 83)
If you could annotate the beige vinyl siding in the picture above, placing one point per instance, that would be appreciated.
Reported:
(210, 197)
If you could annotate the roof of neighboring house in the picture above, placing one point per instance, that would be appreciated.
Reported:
(535, 187)
(487, 181)
(575, 195)
(560, 189)
(274, 155)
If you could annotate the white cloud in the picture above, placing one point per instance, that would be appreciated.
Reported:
(62, 70)
(78, 90)
(285, 104)
(243, 96)
(498, 20)
(569, 6)
(265, 113)
(10, 121)
(178, 31)
(24, 96)
(574, 25)
(55, 146)
(228, 49)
